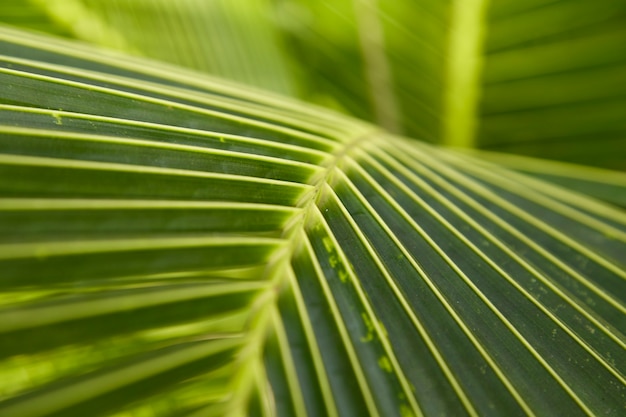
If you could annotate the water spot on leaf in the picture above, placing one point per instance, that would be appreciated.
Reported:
(328, 244)
(370, 328)
(385, 364)
(406, 411)
(57, 119)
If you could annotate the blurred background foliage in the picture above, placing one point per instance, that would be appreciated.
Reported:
(544, 78)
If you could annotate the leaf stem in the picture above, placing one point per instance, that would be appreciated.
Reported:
(377, 68)
(464, 66)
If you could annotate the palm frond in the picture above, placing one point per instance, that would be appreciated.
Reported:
(539, 78)
(599, 183)
(175, 245)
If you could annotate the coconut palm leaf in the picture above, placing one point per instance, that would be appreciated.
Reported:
(176, 245)
(542, 77)
(599, 183)
(229, 39)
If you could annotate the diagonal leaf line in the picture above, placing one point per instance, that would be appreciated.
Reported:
(99, 384)
(288, 363)
(131, 142)
(497, 268)
(55, 114)
(429, 282)
(571, 198)
(64, 248)
(318, 141)
(307, 204)
(195, 98)
(520, 107)
(547, 167)
(367, 305)
(262, 321)
(343, 331)
(49, 204)
(397, 292)
(22, 317)
(308, 200)
(423, 171)
(563, 294)
(249, 356)
(314, 159)
(263, 389)
(118, 167)
(487, 173)
(518, 234)
(318, 361)
(544, 279)
(504, 320)
(595, 13)
(163, 71)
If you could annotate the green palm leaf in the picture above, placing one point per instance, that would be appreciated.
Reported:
(176, 245)
(541, 78)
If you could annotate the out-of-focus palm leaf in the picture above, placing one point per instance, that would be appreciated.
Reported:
(557, 89)
(174, 245)
(543, 78)
(232, 39)
(599, 183)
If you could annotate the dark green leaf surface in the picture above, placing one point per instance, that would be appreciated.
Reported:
(174, 246)
(536, 77)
